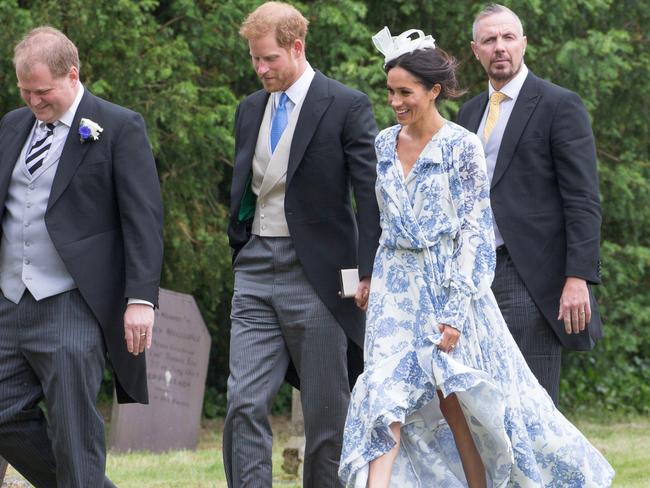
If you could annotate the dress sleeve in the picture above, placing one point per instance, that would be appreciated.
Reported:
(473, 259)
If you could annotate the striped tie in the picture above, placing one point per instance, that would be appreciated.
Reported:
(38, 151)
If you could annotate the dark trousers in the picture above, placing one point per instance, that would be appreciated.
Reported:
(530, 329)
(52, 350)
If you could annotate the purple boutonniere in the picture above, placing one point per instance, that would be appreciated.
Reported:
(89, 130)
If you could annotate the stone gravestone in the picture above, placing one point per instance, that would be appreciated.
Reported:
(177, 365)
(293, 453)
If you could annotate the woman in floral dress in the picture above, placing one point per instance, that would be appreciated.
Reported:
(446, 398)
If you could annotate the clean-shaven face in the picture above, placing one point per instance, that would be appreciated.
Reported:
(408, 98)
(276, 67)
(47, 97)
(499, 45)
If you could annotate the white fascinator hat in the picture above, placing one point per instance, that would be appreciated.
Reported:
(408, 41)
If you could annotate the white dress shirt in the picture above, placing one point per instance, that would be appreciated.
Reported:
(493, 144)
(61, 130)
(295, 93)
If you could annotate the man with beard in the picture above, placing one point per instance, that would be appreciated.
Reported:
(541, 162)
(304, 143)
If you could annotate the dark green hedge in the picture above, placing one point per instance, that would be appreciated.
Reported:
(182, 65)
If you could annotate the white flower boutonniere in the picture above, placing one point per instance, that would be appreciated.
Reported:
(89, 130)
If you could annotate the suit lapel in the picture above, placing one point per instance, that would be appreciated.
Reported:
(313, 107)
(251, 115)
(521, 112)
(12, 150)
(475, 112)
(248, 120)
(73, 149)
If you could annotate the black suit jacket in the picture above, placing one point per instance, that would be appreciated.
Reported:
(332, 152)
(104, 217)
(544, 196)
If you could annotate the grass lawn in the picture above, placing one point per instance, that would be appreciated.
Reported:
(625, 444)
(200, 469)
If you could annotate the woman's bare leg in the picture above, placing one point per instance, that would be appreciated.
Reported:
(380, 468)
(469, 455)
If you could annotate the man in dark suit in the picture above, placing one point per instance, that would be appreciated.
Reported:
(81, 238)
(541, 160)
(303, 143)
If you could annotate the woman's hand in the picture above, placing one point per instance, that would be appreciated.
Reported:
(450, 337)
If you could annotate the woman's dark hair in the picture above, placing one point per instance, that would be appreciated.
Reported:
(430, 67)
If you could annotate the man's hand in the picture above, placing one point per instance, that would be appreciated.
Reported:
(575, 309)
(138, 327)
(363, 292)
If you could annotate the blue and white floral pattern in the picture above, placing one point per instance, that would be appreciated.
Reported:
(435, 264)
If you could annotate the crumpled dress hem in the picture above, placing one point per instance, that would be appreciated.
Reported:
(356, 468)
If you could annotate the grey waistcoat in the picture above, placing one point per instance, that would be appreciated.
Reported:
(28, 258)
(270, 176)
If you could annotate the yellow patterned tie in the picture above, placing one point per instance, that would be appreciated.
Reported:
(493, 114)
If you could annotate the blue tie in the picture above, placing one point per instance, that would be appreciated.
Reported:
(279, 121)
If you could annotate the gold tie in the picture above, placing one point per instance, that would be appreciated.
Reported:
(493, 114)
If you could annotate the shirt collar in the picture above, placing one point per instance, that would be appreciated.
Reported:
(68, 116)
(298, 90)
(513, 87)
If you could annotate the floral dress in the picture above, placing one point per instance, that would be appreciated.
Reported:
(435, 264)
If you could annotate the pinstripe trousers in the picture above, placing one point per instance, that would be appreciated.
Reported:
(52, 350)
(277, 316)
(536, 339)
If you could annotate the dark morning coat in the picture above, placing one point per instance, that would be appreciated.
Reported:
(332, 153)
(104, 217)
(544, 195)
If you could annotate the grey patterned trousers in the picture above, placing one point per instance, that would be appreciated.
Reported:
(277, 315)
(52, 350)
(534, 336)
